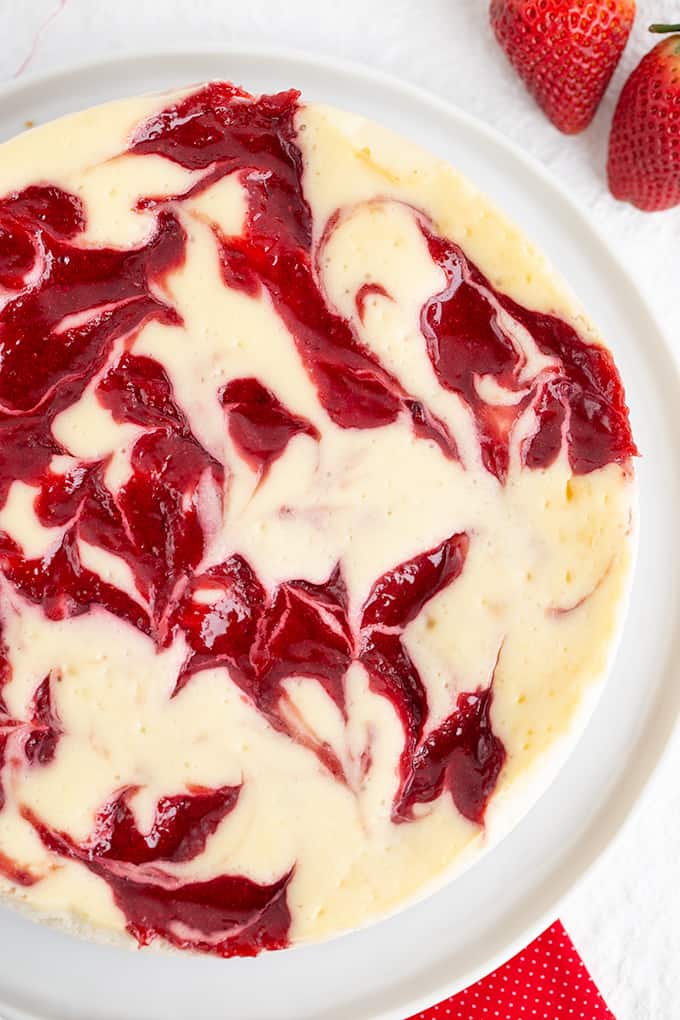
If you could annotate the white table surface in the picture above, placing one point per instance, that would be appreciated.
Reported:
(624, 916)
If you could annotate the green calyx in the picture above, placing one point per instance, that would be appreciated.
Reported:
(661, 29)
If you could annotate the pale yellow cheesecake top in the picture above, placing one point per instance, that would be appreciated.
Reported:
(316, 520)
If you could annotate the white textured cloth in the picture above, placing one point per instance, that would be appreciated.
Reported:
(624, 917)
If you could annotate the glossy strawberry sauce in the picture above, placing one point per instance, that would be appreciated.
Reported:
(259, 425)
(70, 320)
(226, 915)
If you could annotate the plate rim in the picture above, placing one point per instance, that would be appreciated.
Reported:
(618, 816)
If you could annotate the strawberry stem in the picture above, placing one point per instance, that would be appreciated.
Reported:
(664, 28)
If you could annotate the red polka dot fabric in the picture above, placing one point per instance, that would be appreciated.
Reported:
(547, 981)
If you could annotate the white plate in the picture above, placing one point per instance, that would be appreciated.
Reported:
(394, 968)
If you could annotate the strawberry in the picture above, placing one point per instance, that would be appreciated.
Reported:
(565, 51)
(644, 145)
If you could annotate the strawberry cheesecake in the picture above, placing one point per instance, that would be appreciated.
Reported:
(316, 521)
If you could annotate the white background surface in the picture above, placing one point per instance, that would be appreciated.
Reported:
(623, 918)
